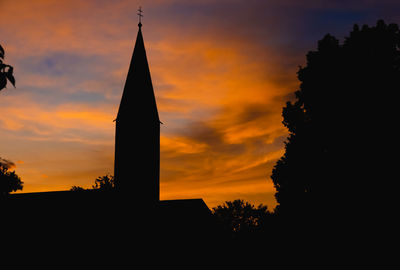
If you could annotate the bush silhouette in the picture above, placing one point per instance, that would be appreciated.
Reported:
(9, 180)
(341, 126)
(103, 183)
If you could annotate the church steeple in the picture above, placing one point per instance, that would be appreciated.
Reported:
(139, 80)
(137, 137)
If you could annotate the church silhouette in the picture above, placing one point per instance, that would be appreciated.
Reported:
(133, 210)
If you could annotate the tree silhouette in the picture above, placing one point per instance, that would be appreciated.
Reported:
(9, 180)
(242, 218)
(336, 157)
(103, 183)
(6, 71)
(77, 188)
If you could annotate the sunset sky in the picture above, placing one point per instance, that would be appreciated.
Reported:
(222, 70)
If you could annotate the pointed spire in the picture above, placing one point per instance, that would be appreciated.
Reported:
(138, 97)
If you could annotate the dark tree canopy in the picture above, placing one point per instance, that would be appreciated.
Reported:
(6, 71)
(341, 124)
(103, 183)
(241, 218)
(9, 180)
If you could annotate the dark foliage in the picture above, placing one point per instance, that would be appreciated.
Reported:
(77, 188)
(242, 218)
(9, 181)
(6, 71)
(8, 164)
(103, 183)
(341, 126)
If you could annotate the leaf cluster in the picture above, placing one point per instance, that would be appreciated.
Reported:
(9, 181)
(103, 183)
(6, 71)
(240, 217)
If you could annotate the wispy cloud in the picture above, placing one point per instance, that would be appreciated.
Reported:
(222, 70)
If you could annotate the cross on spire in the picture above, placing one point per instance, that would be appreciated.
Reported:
(139, 13)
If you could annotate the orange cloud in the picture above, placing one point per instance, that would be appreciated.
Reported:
(219, 95)
(182, 145)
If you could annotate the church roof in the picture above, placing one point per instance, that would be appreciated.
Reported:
(138, 100)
